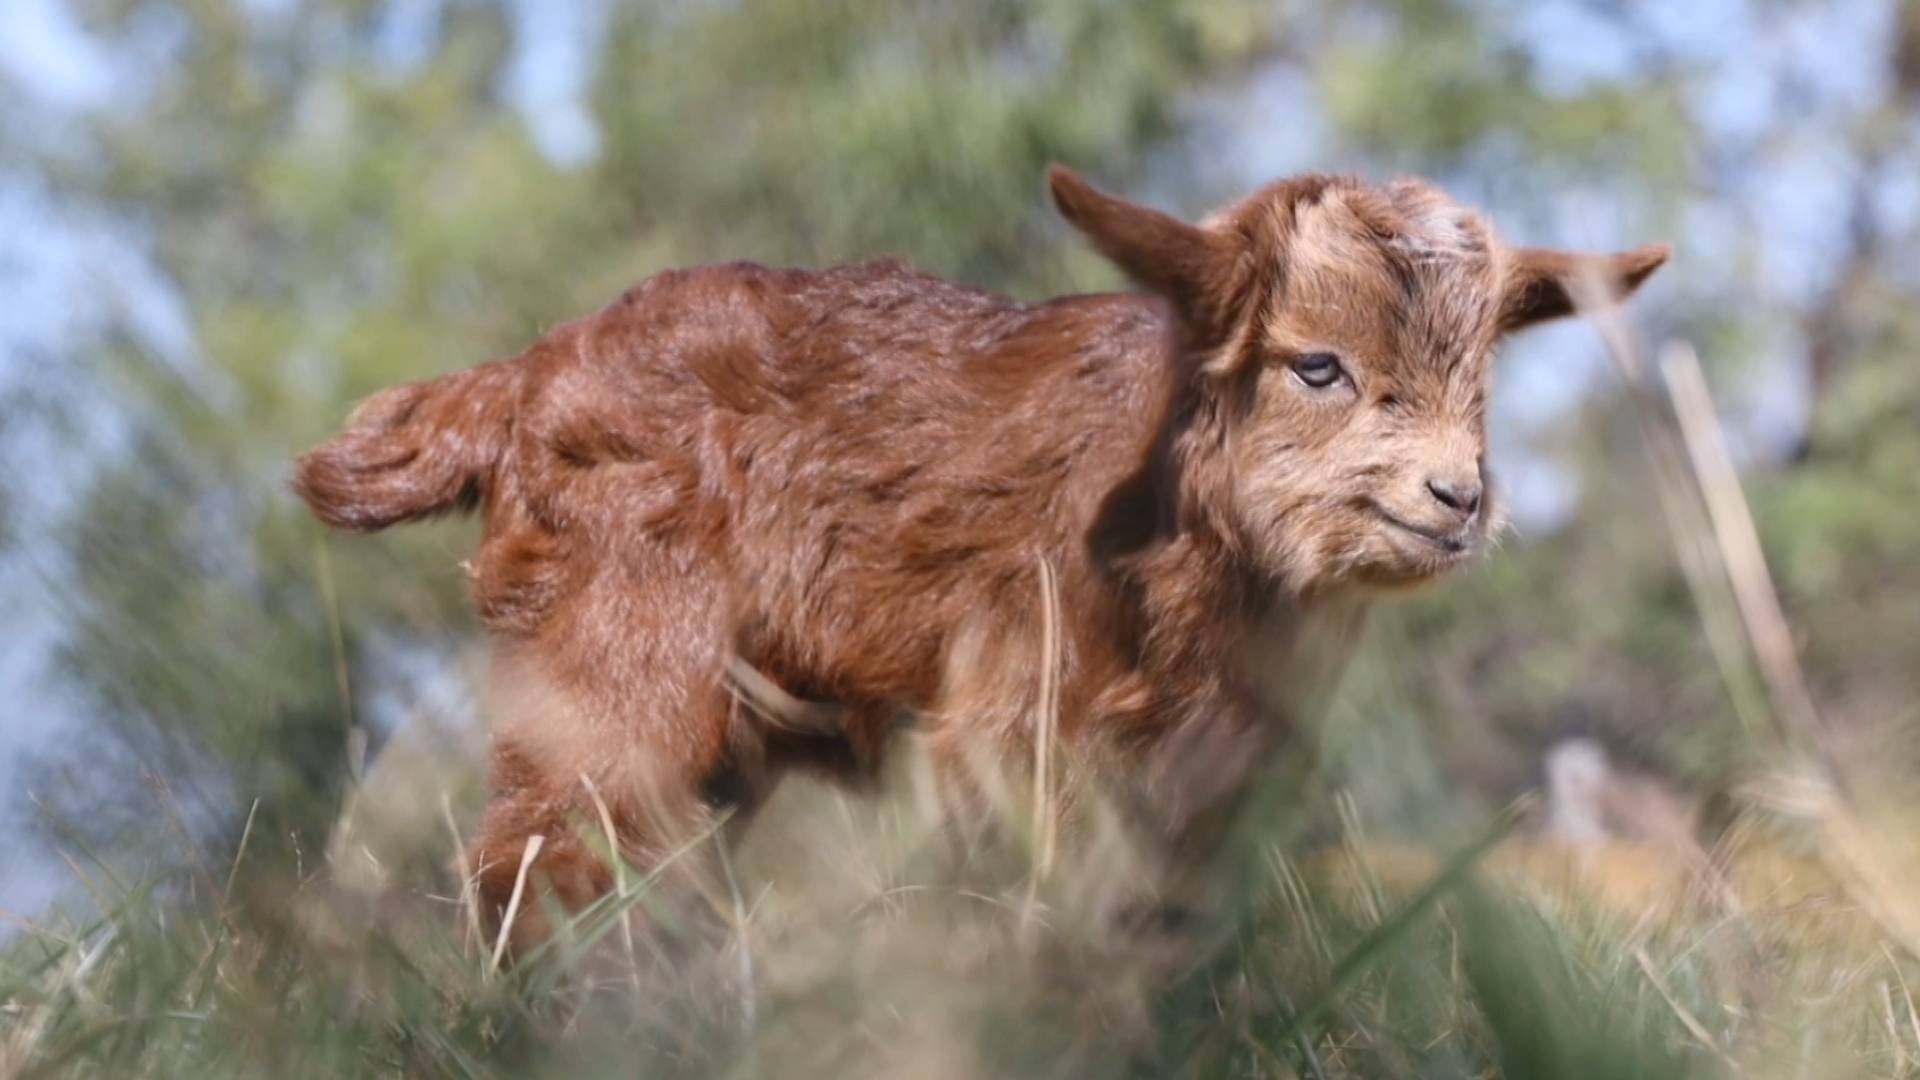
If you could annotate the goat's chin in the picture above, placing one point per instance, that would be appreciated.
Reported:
(1400, 562)
(1401, 578)
(1375, 563)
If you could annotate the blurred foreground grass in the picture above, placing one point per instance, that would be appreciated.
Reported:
(863, 943)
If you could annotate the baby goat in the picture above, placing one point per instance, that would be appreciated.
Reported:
(867, 494)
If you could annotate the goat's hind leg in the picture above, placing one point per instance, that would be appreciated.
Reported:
(616, 720)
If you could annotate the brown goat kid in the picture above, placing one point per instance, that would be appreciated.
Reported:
(864, 489)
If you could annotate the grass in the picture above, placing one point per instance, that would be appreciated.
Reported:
(867, 936)
(869, 943)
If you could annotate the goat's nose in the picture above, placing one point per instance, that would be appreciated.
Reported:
(1457, 492)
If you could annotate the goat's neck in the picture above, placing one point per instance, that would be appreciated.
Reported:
(1285, 650)
(1276, 653)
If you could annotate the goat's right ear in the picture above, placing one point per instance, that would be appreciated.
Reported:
(1190, 266)
(1546, 283)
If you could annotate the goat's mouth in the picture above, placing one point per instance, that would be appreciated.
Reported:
(1447, 545)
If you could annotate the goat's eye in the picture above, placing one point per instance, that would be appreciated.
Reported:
(1318, 370)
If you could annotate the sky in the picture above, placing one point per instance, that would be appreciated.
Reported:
(62, 274)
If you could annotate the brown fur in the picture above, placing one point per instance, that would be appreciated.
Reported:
(853, 481)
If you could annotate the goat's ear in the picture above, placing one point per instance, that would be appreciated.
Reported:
(1546, 283)
(1195, 268)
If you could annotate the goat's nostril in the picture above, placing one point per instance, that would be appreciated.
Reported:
(1461, 496)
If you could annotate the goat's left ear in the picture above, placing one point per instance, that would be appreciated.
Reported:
(1191, 266)
(1546, 283)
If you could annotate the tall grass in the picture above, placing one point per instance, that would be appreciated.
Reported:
(865, 935)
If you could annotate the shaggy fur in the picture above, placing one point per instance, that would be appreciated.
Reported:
(847, 486)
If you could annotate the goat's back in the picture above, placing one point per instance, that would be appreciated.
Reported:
(873, 456)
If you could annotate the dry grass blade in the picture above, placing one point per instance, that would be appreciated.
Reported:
(239, 856)
(532, 852)
(1687, 1019)
(221, 919)
(749, 1008)
(1678, 490)
(1047, 721)
(614, 857)
(1893, 1029)
(1739, 542)
(1906, 994)
(472, 934)
(1354, 844)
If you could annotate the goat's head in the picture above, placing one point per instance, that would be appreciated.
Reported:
(1339, 338)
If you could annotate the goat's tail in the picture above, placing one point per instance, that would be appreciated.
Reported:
(414, 450)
